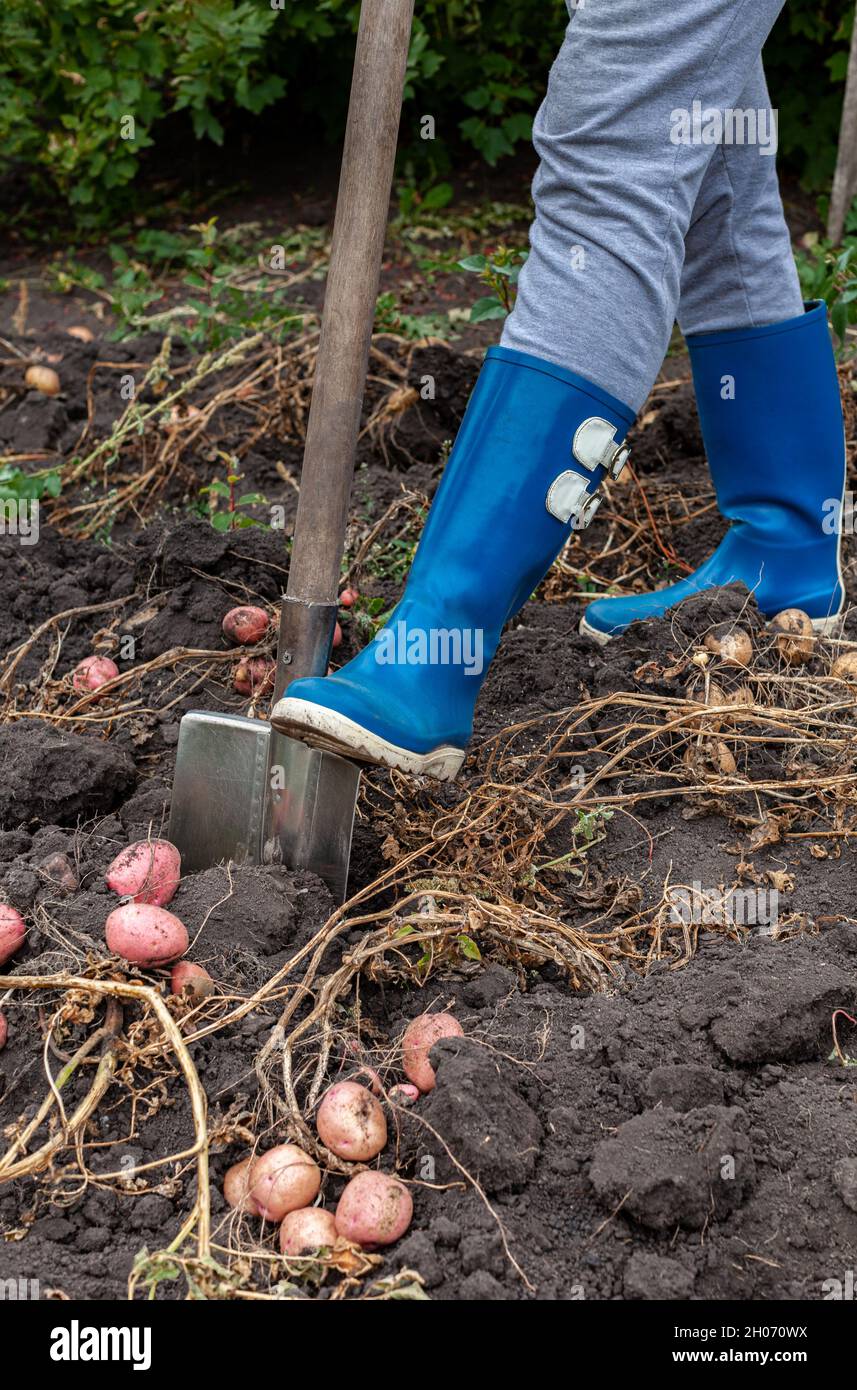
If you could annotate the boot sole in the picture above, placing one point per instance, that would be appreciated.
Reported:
(331, 732)
(824, 626)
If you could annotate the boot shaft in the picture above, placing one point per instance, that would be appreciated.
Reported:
(530, 453)
(771, 417)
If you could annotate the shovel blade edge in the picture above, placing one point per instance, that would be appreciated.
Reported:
(310, 811)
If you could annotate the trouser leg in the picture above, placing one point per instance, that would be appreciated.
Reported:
(621, 167)
(739, 271)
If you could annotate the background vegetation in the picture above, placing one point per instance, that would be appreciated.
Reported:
(72, 73)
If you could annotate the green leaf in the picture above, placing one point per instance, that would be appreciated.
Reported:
(473, 263)
(468, 948)
(839, 320)
(438, 197)
(519, 126)
(489, 307)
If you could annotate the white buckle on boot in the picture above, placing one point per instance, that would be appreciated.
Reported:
(595, 446)
(565, 495)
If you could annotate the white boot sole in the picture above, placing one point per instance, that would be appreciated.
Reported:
(587, 630)
(333, 733)
(824, 626)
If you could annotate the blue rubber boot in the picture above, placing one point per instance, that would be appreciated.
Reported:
(771, 419)
(533, 447)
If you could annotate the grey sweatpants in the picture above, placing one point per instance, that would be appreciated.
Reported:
(656, 195)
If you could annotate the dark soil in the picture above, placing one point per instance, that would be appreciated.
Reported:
(682, 1135)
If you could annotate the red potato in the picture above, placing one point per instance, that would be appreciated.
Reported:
(145, 935)
(405, 1094)
(337, 636)
(305, 1231)
(148, 871)
(374, 1209)
(13, 929)
(188, 978)
(351, 1123)
(420, 1037)
(243, 627)
(4, 1031)
(92, 673)
(254, 676)
(348, 598)
(283, 1180)
(236, 1187)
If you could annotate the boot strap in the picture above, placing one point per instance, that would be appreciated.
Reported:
(594, 447)
(568, 500)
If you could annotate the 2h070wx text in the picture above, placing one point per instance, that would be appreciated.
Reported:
(705, 1334)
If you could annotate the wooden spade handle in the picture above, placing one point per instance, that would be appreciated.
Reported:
(362, 207)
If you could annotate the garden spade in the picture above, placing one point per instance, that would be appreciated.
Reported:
(242, 791)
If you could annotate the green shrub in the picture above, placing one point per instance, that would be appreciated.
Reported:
(87, 85)
(83, 83)
(806, 59)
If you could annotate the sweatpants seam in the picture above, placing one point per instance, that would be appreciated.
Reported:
(735, 255)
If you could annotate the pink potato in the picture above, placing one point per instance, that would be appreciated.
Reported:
(283, 1180)
(405, 1094)
(374, 1209)
(13, 929)
(236, 1187)
(4, 1031)
(254, 676)
(351, 1123)
(420, 1037)
(306, 1231)
(92, 673)
(348, 598)
(191, 979)
(337, 635)
(245, 626)
(145, 935)
(148, 871)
